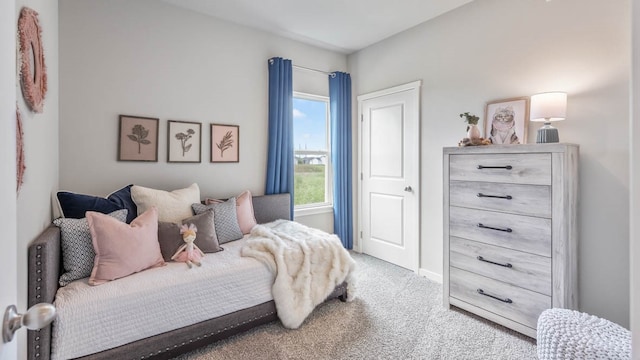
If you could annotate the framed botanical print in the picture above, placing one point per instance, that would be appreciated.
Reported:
(184, 141)
(225, 143)
(138, 139)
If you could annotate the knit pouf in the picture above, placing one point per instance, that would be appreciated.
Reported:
(569, 334)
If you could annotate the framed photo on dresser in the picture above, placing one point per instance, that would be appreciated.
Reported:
(507, 120)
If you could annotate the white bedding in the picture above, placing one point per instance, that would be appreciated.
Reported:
(96, 318)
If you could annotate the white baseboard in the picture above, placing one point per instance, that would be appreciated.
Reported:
(431, 275)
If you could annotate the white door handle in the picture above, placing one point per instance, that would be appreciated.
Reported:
(37, 317)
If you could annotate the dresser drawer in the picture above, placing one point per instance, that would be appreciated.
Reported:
(534, 200)
(517, 232)
(525, 270)
(503, 168)
(511, 302)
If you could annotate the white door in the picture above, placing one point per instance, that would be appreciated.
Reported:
(390, 174)
(8, 240)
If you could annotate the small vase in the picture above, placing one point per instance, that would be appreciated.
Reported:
(473, 133)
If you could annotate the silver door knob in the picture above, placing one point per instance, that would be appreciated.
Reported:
(408, 189)
(37, 317)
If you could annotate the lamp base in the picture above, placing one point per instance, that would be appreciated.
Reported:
(547, 134)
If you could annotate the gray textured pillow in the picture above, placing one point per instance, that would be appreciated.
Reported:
(225, 219)
(77, 246)
(206, 239)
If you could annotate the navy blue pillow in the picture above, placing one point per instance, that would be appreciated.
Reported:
(123, 199)
(75, 205)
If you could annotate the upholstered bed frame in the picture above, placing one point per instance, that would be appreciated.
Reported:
(44, 270)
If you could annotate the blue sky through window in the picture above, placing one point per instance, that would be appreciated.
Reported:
(309, 124)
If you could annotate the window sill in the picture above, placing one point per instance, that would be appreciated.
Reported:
(313, 210)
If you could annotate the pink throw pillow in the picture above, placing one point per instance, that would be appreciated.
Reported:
(244, 210)
(123, 249)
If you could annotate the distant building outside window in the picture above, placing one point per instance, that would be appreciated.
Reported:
(312, 157)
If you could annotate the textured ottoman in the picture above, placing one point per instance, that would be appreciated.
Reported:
(569, 334)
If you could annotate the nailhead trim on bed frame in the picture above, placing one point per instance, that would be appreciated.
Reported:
(38, 294)
(45, 262)
(210, 334)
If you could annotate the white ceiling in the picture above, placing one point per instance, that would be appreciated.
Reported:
(340, 25)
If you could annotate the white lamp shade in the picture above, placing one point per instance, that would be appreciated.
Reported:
(551, 106)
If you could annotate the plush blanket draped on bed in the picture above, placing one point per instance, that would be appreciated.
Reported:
(308, 264)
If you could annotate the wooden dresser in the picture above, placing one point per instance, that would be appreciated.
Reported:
(510, 232)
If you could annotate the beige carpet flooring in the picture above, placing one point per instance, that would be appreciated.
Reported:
(396, 315)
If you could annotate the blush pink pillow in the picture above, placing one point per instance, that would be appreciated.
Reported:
(244, 210)
(123, 249)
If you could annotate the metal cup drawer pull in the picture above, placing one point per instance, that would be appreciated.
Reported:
(507, 167)
(507, 197)
(505, 300)
(480, 225)
(507, 265)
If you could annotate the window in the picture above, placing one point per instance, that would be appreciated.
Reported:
(312, 156)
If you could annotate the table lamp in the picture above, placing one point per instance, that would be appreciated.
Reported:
(548, 107)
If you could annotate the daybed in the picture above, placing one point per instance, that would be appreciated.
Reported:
(44, 270)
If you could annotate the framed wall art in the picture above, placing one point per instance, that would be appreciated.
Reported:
(138, 139)
(33, 72)
(507, 121)
(225, 143)
(184, 141)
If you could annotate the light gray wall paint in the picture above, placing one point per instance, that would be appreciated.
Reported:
(497, 49)
(41, 151)
(8, 263)
(149, 58)
(635, 182)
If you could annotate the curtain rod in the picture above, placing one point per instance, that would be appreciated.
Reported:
(332, 74)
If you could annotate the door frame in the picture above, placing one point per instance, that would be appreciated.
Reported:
(8, 213)
(415, 85)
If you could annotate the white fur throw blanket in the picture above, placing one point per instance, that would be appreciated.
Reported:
(308, 264)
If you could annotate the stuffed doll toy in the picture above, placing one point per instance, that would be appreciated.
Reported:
(189, 253)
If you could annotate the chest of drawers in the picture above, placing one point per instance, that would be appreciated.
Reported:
(510, 231)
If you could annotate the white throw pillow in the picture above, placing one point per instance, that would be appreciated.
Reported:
(172, 206)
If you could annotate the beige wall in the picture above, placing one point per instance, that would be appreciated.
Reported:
(41, 151)
(496, 49)
(635, 183)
